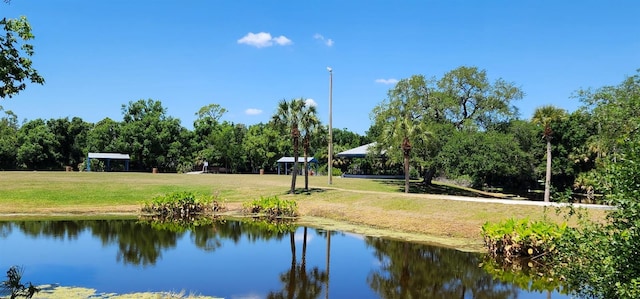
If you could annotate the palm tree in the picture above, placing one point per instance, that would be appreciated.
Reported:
(289, 115)
(401, 121)
(310, 124)
(402, 127)
(545, 116)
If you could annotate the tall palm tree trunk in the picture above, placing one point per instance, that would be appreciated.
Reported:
(547, 180)
(305, 145)
(406, 149)
(406, 173)
(294, 175)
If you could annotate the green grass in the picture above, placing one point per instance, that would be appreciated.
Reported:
(58, 189)
(373, 203)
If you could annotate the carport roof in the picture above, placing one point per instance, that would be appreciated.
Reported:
(115, 156)
(300, 160)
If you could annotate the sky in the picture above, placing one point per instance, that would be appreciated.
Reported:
(245, 56)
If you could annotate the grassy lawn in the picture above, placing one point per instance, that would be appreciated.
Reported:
(375, 206)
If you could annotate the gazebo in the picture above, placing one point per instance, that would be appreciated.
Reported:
(108, 157)
(358, 152)
(361, 152)
(289, 160)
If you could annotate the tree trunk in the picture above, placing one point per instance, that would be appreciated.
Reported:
(547, 180)
(306, 166)
(294, 175)
(406, 150)
(406, 173)
(427, 176)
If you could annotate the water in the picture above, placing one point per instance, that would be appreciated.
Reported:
(235, 259)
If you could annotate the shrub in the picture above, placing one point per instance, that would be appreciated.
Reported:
(272, 207)
(181, 205)
(512, 238)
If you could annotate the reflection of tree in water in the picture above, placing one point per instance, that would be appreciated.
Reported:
(138, 242)
(411, 270)
(5, 229)
(297, 281)
(142, 243)
(57, 229)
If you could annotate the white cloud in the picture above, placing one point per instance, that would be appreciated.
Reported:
(387, 81)
(310, 102)
(263, 39)
(282, 40)
(327, 41)
(253, 111)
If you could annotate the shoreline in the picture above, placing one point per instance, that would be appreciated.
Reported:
(326, 223)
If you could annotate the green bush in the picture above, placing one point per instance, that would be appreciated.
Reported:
(600, 260)
(522, 238)
(272, 207)
(180, 205)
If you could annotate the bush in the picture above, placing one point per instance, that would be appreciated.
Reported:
(600, 260)
(181, 205)
(513, 239)
(272, 207)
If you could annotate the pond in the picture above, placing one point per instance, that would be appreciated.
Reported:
(234, 259)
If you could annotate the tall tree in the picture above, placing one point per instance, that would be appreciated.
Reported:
(545, 116)
(309, 124)
(150, 135)
(261, 146)
(288, 117)
(211, 112)
(206, 125)
(463, 100)
(615, 111)
(471, 100)
(15, 63)
(8, 139)
(38, 146)
(72, 139)
(104, 136)
(401, 118)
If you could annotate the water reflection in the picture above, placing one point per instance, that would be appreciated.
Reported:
(416, 271)
(297, 282)
(241, 259)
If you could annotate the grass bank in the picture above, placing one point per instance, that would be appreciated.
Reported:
(364, 206)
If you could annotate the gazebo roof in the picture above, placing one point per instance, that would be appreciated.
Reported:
(116, 156)
(300, 160)
(358, 152)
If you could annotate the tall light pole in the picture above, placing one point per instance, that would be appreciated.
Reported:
(330, 162)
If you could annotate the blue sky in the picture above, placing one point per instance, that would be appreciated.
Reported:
(247, 55)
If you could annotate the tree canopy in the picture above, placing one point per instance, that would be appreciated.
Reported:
(15, 62)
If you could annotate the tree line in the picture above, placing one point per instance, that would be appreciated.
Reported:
(461, 127)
